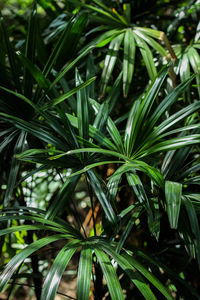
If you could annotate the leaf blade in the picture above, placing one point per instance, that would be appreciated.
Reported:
(173, 193)
(84, 273)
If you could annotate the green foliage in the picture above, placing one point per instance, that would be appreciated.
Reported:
(99, 149)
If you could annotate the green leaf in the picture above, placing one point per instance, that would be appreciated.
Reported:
(84, 274)
(68, 94)
(99, 150)
(37, 74)
(70, 40)
(101, 195)
(150, 96)
(184, 70)
(102, 118)
(155, 45)
(104, 7)
(175, 118)
(91, 166)
(139, 114)
(194, 59)
(128, 61)
(22, 255)
(103, 12)
(62, 198)
(70, 34)
(157, 135)
(154, 221)
(194, 224)
(82, 109)
(9, 138)
(128, 228)
(176, 277)
(171, 144)
(139, 165)
(110, 275)
(135, 182)
(56, 271)
(128, 265)
(11, 55)
(90, 72)
(120, 17)
(85, 51)
(165, 104)
(115, 135)
(94, 133)
(173, 193)
(22, 97)
(14, 214)
(106, 38)
(14, 169)
(35, 130)
(113, 183)
(130, 136)
(147, 56)
(127, 210)
(31, 227)
(71, 65)
(30, 51)
(173, 162)
(110, 60)
(152, 32)
(149, 276)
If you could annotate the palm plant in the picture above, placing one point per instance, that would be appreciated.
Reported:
(120, 31)
(58, 124)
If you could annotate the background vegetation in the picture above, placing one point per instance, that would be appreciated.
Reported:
(99, 118)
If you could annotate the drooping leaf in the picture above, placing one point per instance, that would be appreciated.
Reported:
(84, 274)
(22, 255)
(130, 265)
(110, 275)
(56, 271)
(147, 56)
(110, 60)
(173, 193)
(129, 60)
(135, 182)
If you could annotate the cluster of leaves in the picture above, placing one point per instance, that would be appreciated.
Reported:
(75, 103)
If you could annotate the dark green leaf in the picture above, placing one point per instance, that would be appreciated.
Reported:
(173, 193)
(84, 274)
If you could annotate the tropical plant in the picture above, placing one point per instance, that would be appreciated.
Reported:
(137, 159)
